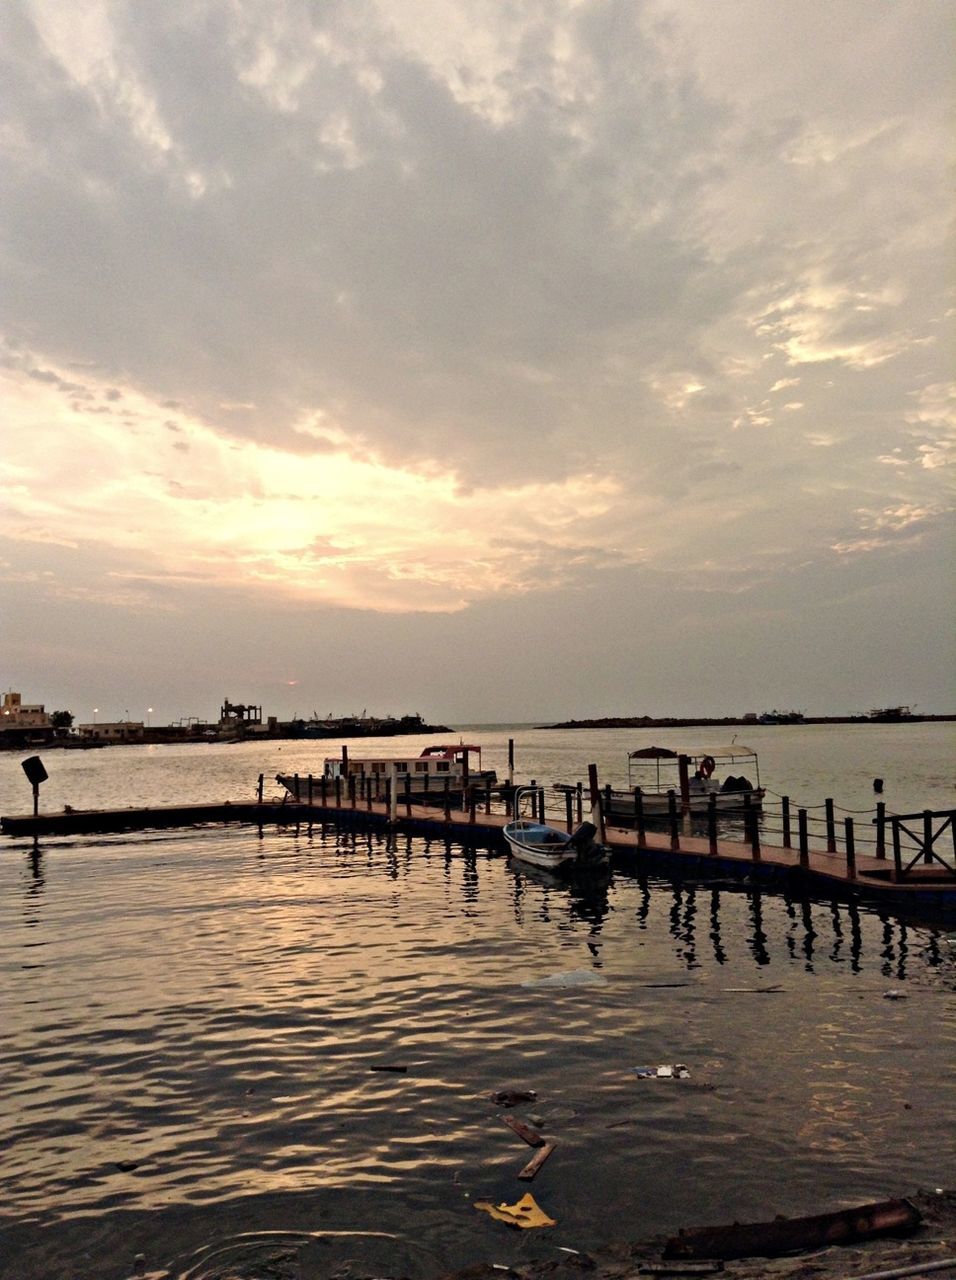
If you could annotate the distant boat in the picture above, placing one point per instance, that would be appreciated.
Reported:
(716, 772)
(781, 717)
(888, 715)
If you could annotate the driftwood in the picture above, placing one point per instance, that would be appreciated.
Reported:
(793, 1235)
(536, 1161)
(531, 1136)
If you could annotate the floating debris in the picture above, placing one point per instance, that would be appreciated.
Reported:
(524, 1213)
(572, 978)
(511, 1097)
(666, 1072)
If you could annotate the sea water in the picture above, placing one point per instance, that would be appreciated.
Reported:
(252, 1053)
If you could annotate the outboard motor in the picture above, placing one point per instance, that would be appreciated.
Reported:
(588, 850)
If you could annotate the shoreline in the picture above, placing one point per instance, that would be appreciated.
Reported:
(683, 722)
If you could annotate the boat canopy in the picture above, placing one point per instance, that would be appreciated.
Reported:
(735, 751)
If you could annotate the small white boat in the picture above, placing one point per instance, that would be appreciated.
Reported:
(540, 845)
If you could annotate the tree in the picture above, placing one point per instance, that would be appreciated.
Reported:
(61, 719)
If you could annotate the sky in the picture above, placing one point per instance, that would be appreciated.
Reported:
(491, 362)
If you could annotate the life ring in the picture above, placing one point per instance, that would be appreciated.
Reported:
(707, 766)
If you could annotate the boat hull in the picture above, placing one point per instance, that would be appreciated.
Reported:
(549, 849)
(656, 804)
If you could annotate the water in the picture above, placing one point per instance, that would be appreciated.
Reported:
(189, 1023)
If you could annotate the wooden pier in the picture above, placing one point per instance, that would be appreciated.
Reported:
(891, 875)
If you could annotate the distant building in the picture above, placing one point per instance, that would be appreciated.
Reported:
(116, 731)
(17, 714)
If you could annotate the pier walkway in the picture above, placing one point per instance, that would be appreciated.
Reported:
(923, 879)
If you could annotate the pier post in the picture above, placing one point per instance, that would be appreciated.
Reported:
(259, 788)
(785, 804)
(580, 790)
(897, 852)
(487, 797)
(471, 804)
(607, 800)
(541, 817)
(751, 829)
(850, 848)
(712, 822)
(881, 828)
(927, 835)
(350, 788)
(408, 795)
(368, 792)
(391, 791)
(324, 788)
(569, 811)
(683, 773)
(831, 827)
(338, 792)
(310, 788)
(511, 762)
(672, 819)
(597, 809)
(447, 799)
(803, 839)
(639, 818)
(295, 779)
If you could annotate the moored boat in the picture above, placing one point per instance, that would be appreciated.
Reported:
(540, 845)
(440, 769)
(697, 776)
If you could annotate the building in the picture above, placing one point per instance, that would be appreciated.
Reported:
(115, 731)
(24, 724)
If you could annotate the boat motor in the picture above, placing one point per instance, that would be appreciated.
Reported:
(584, 843)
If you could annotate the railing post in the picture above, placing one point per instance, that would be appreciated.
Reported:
(712, 822)
(295, 779)
(881, 828)
(927, 835)
(338, 792)
(785, 804)
(310, 790)
(350, 787)
(607, 800)
(639, 818)
(831, 828)
(368, 793)
(672, 819)
(259, 789)
(447, 799)
(803, 839)
(580, 791)
(897, 853)
(487, 797)
(408, 795)
(597, 809)
(323, 786)
(850, 848)
(569, 811)
(471, 803)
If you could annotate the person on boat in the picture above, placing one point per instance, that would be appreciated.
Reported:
(697, 782)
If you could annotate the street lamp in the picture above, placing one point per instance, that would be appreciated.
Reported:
(149, 712)
(95, 710)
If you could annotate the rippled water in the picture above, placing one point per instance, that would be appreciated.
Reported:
(191, 1022)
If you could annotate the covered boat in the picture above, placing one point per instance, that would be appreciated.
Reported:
(729, 774)
(539, 845)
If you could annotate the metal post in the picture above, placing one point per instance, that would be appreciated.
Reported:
(881, 828)
(927, 835)
(672, 818)
(712, 822)
(897, 854)
(831, 827)
(804, 841)
(850, 848)
(786, 822)
(569, 811)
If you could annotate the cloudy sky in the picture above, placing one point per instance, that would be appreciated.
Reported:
(496, 362)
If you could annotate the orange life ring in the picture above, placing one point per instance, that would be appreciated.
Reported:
(707, 766)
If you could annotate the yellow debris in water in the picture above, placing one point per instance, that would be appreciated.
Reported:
(526, 1213)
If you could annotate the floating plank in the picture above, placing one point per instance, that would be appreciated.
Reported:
(536, 1161)
(531, 1136)
(792, 1235)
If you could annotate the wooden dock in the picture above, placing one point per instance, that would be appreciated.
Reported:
(927, 881)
